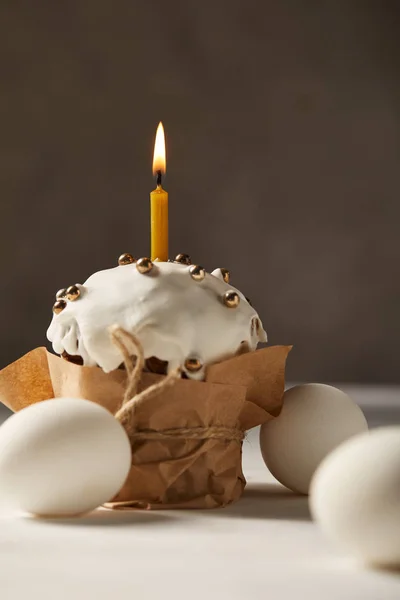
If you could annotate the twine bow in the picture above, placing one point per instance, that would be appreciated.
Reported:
(130, 347)
(132, 399)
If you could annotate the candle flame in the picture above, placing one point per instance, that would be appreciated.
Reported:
(159, 161)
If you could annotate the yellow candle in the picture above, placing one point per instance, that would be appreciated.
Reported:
(159, 202)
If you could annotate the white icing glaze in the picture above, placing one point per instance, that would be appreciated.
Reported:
(173, 316)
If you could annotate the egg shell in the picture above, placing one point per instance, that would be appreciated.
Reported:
(64, 456)
(315, 419)
(355, 496)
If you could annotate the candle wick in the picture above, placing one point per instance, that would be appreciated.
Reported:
(159, 178)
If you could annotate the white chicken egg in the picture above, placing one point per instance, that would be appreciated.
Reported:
(355, 496)
(315, 419)
(62, 457)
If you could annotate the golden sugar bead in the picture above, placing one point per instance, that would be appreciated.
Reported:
(193, 365)
(231, 299)
(61, 294)
(225, 275)
(73, 293)
(197, 273)
(183, 259)
(144, 265)
(125, 259)
(59, 306)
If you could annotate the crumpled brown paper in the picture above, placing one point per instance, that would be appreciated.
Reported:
(177, 472)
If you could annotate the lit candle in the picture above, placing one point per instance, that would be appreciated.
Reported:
(159, 201)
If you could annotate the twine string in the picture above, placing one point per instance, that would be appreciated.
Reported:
(133, 368)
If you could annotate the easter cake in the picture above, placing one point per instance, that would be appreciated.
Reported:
(171, 351)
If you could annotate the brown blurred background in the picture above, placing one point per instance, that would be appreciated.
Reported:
(282, 123)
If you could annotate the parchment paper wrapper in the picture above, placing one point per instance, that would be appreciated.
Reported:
(177, 472)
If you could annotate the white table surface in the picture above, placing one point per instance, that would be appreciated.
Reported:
(263, 547)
